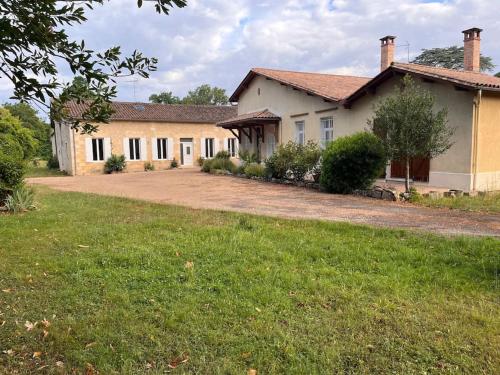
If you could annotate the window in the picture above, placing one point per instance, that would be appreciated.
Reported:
(162, 148)
(231, 147)
(134, 146)
(97, 149)
(299, 132)
(326, 131)
(209, 148)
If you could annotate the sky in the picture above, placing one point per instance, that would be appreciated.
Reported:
(219, 41)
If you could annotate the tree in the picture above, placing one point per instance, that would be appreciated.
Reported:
(16, 142)
(207, 95)
(165, 98)
(497, 75)
(35, 40)
(449, 57)
(408, 126)
(30, 120)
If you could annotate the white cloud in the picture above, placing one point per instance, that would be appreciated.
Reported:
(218, 41)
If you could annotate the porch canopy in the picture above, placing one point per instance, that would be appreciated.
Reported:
(247, 122)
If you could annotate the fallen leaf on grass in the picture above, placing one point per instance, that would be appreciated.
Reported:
(252, 372)
(258, 310)
(89, 369)
(90, 344)
(83, 246)
(6, 290)
(9, 352)
(189, 265)
(45, 333)
(37, 354)
(29, 326)
(178, 361)
(45, 323)
(60, 364)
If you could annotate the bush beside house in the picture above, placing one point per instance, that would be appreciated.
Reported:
(352, 162)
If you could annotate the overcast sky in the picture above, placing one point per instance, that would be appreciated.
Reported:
(218, 41)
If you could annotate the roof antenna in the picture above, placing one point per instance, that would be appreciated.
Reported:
(134, 81)
(407, 45)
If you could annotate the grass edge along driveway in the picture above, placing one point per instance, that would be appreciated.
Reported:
(93, 283)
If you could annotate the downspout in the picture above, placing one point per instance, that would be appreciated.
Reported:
(476, 122)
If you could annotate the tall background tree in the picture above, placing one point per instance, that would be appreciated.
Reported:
(165, 98)
(35, 39)
(450, 57)
(409, 127)
(29, 119)
(205, 94)
(497, 75)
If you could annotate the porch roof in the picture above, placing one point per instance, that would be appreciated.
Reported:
(249, 119)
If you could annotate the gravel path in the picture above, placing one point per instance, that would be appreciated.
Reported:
(189, 187)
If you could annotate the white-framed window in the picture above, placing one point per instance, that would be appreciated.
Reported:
(326, 130)
(209, 148)
(299, 132)
(161, 148)
(97, 149)
(134, 149)
(232, 146)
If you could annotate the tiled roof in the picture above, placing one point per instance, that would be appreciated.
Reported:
(476, 80)
(260, 116)
(128, 111)
(328, 86)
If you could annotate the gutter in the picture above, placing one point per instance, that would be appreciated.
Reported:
(475, 140)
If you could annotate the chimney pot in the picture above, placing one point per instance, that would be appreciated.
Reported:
(387, 51)
(472, 49)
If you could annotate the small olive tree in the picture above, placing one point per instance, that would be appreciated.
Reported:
(409, 127)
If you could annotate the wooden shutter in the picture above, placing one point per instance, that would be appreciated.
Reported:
(126, 149)
(107, 148)
(202, 148)
(143, 149)
(170, 149)
(88, 150)
(154, 148)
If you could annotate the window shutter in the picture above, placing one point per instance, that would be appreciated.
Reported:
(237, 147)
(126, 149)
(170, 151)
(154, 148)
(216, 146)
(143, 150)
(224, 146)
(88, 150)
(107, 148)
(202, 148)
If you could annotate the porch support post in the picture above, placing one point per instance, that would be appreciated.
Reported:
(236, 135)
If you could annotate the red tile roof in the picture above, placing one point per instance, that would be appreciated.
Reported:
(128, 111)
(328, 86)
(260, 116)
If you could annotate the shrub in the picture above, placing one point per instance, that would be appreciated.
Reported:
(148, 166)
(352, 162)
(200, 161)
(11, 174)
(174, 163)
(53, 162)
(248, 157)
(224, 164)
(207, 165)
(222, 155)
(294, 161)
(115, 163)
(255, 170)
(20, 200)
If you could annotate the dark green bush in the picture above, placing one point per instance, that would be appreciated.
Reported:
(294, 161)
(352, 162)
(115, 163)
(174, 163)
(255, 170)
(148, 166)
(222, 155)
(219, 163)
(53, 162)
(248, 157)
(12, 172)
(207, 165)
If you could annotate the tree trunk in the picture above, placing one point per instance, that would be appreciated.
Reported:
(407, 175)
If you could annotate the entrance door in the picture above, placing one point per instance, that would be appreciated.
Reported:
(419, 169)
(187, 151)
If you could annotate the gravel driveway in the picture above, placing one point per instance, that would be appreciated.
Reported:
(189, 187)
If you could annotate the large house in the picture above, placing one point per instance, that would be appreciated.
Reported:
(277, 106)
(144, 132)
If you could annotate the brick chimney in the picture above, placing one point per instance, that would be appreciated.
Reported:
(472, 49)
(387, 52)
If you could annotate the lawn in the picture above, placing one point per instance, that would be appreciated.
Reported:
(91, 283)
(483, 203)
(41, 170)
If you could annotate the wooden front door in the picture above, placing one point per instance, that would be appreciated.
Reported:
(419, 169)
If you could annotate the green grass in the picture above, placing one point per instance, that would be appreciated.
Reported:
(113, 277)
(41, 170)
(484, 203)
